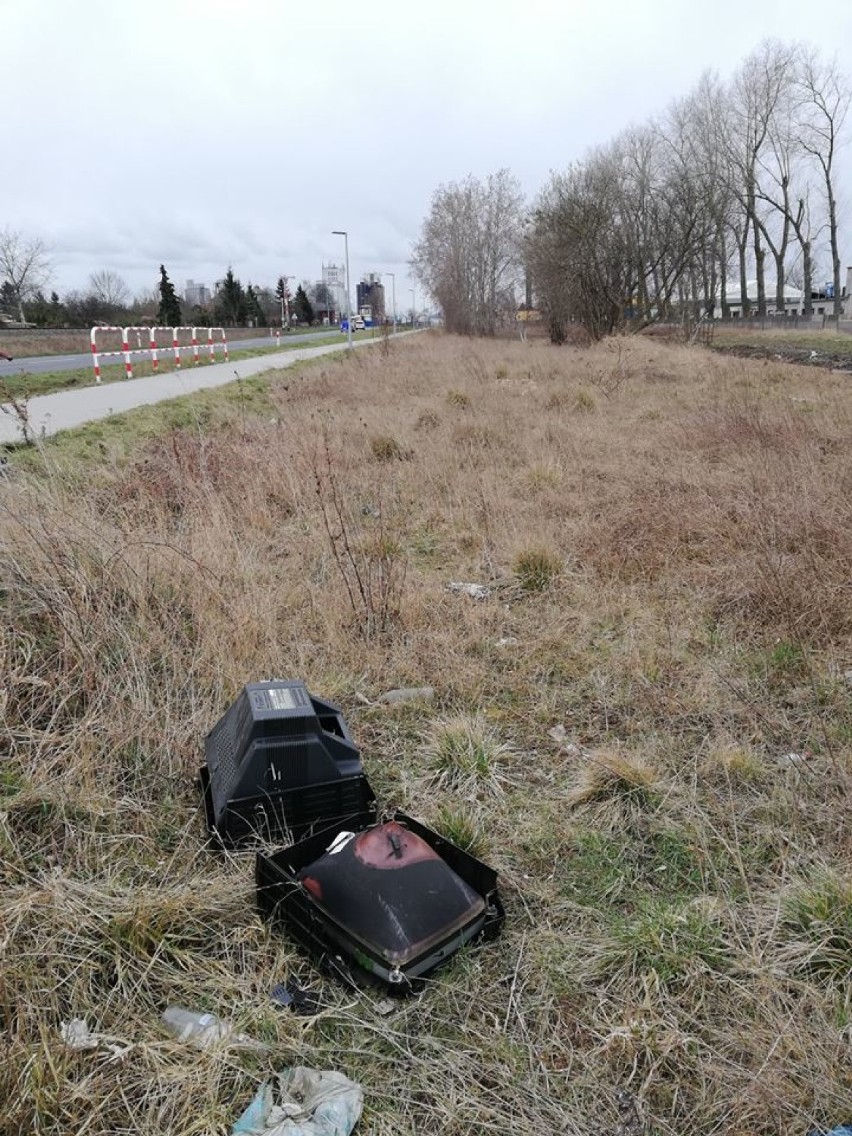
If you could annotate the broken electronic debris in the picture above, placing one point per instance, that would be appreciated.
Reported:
(391, 900)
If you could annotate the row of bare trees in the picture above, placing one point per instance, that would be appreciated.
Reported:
(737, 181)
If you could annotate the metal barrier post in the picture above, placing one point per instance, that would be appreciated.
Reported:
(125, 347)
(93, 337)
(96, 355)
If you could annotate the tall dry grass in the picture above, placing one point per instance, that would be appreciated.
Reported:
(666, 537)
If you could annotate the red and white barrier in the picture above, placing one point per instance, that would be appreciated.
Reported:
(152, 348)
(98, 355)
(212, 345)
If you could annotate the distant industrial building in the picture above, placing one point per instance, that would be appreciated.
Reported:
(822, 299)
(196, 295)
(334, 278)
(371, 295)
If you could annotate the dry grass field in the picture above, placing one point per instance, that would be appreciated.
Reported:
(646, 727)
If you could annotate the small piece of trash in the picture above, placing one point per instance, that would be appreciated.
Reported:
(475, 591)
(304, 1102)
(560, 735)
(508, 641)
(385, 1007)
(76, 1034)
(204, 1031)
(290, 994)
(409, 694)
(792, 760)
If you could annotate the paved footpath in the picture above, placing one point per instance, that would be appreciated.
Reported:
(50, 413)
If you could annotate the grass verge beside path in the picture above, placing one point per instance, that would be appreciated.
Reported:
(29, 385)
(813, 348)
(645, 724)
(114, 440)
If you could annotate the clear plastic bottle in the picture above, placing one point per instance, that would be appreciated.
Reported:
(205, 1030)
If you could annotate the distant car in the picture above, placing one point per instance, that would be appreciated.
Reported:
(357, 324)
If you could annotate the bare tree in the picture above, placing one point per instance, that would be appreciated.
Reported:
(784, 184)
(109, 288)
(24, 264)
(826, 104)
(467, 256)
(760, 86)
(582, 258)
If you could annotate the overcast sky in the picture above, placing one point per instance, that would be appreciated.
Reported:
(203, 133)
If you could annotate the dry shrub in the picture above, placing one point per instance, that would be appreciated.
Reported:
(459, 400)
(427, 420)
(610, 775)
(746, 424)
(536, 568)
(384, 447)
(653, 526)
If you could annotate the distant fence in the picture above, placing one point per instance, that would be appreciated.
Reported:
(774, 322)
(152, 349)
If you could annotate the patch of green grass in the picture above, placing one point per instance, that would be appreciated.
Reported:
(465, 753)
(12, 781)
(604, 869)
(462, 828)
(536, 568)
(779, 340)
(117, 438)
(668, 942)
(818, 911)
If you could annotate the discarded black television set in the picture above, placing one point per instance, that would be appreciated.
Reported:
(368, 896)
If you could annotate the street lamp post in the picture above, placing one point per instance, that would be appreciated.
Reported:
(343, 233)
(393, 277)
(413, 309)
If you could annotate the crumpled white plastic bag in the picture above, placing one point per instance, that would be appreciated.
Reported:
(77, 1035)
(307, 1103)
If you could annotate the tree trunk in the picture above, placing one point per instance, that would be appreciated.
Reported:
(835, 252)
(808, 272)
(723, 277)
(759, 256)
(745, 303)
(780, 308)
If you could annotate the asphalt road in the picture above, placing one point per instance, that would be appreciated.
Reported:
(46, 364)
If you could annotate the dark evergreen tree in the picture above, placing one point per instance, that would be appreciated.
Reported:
(254, 311)
(230, 305)
(304, 311)
(8, 298)
(168, 313)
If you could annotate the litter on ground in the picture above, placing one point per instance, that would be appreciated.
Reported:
(475, 591)
(303, 1102)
